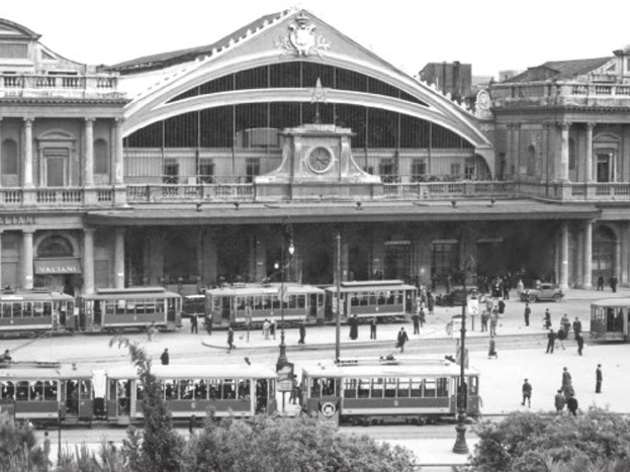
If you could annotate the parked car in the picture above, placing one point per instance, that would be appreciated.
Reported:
(543, 292)
(456, 296)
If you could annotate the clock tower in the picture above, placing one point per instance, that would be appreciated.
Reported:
(317, 163)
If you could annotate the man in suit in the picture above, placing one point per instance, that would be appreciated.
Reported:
(599, 377)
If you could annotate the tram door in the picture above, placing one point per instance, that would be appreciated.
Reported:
(120, 404)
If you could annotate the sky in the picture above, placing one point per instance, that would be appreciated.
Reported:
(491, 35)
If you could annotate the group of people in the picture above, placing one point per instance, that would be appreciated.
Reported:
(563, 332)
(613, 281)
(401, 339)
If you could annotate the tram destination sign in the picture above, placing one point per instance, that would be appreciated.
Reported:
(17, 220)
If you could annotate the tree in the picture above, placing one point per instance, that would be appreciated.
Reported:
(290, 444)
(18, 447)
(161, 448)
(548, 442)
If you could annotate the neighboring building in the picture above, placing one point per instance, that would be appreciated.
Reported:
(198, 166)
(452, 78)
(508, 74)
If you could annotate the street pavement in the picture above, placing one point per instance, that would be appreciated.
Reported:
(521, 352)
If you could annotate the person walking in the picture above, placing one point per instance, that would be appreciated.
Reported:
(600, 282)
(485, 315)
(527, 393)
(230, 339)
(165, 357)
(501, 305)
(547, 320)
(494, 321)
(580, 344)
(193, 324)
(373, 322)
(492, 349)
(551, 341)
(613, 283)
(567, 383)
(561, 335)
(208, 322)
(566, 324)
(191, 424)
(272, 328)
(527, 313)
(520, 287)
(416, 323)
(265, 328)
(47, 450)
(354, 327)
(572, 405)
(577, 327)
(559, 401)
(302, 329)
(599, 377)
(430, 302)
(402, 339)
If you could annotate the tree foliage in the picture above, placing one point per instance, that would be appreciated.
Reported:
(161, 447)
(18, 447)
(290, 444)
(547, 442)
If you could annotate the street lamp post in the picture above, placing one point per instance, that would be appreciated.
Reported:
(338, 322)
(460, 442)
(282, 358)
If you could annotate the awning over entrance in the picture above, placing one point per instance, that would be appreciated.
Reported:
(58, 266)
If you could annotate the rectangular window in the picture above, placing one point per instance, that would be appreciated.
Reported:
(387, 171)
(430, 387)
(403, 387)
(350, 388)
(418, 170)
(252, 169)
(171, 172)
(14, 51)
(377, 387)
(469, 169)
(390, 387)
(206, 171)
(456, 169)
(363, 388)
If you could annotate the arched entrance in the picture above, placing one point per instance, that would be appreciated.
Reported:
(57, 264)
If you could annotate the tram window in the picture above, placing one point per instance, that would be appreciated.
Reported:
(70, 307)
(377, 387)
(21, 392)
(6, 311)
(320, 300)
(139, 390)
(240, 303)
(28, 309)
(109, 307)
(316, 389)
(85, 387)
(363, 388)
(442, 387)
(50, 391)
(364, 300)
(473, 385)
(37, 391)
(400, 295)
(372, 299)
(38, 309)
(113, 388)
(350, 388)
(214, 389)
(329, 387)
(354, 301)
(429, 387)
(150, 307)
(201, 389)
(416, 387)
(186, 388)
(47, 309)
(257, 304)
(171, 389)
(17, 310)
(124, 388)
(229, 389)
(403, 387)
(275, 302)
(243, 389)
(390, 387)
(8, 389)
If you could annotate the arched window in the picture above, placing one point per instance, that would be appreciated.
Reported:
(531, 161)
(55, 246)
(101, 157)
(9, 157)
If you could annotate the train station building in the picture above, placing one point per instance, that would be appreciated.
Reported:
(202, 166)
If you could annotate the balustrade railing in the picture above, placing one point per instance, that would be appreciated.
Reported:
(39, 84)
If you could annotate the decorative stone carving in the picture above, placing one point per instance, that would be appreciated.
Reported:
(482, 105)
(302, 40)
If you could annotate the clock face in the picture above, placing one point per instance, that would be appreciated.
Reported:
(319, 160)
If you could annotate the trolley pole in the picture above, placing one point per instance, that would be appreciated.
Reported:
(282, 358)
(338, 325)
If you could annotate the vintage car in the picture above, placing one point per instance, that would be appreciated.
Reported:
(543, 292)
(456, 296)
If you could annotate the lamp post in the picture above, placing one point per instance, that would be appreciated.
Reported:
(282, 357)
(462, 398)
(338, 322)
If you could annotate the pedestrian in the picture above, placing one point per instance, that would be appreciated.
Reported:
(193, 323)
(265, 328)
(47, 449)
(430, 302)
(527, 393)
(272, 328)
(567, 383)
(492, 349)
(551, 341)
(580, 344)
(572, 405)
(613, 283)
(599, 377)
(485, 315)
(561, 335)
(559, 401)
(373, 328)
(230, 339)
(165, 357)
(547, 320)
(191, 424)
(402, 339)
(293, 397)
(301, 341)
(448, 283)
(354, 327)
(494, 320)
(208, 322)
(416, 323)
(423, 318)
(520, 287)
(528, 312)
(151, 329)
(501, 305)
(564, 322)
(600, 282)
(577, 327)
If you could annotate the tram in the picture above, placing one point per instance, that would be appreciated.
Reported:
(33, 311)
(48, 394)
(382, 299)
(139, 308)
(610, 319)
(222, 390)
(237, 304)
(364, 391)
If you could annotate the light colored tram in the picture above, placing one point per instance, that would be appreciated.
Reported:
(367, 390)
(610, 319)
(200, 390)
(35, 311)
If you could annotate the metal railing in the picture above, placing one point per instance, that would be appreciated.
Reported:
(36, 85)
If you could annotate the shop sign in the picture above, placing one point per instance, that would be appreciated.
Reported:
(61, 266)
(17, 220)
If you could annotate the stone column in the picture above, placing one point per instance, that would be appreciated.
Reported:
(589, 152)
(564, 256)
(579, 260)
(1, 231)
(118, 153)
(119, 258)
(510, 153)
(0, 182)
(516, 142)
(27, 259)
(588, 255)
(88, 260)
(27, 166)
(625, 253)
(260, 271)
(564, 152)
(88, 162)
